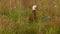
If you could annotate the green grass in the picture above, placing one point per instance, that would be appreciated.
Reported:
(16, 21)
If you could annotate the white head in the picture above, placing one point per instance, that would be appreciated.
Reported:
(34, 7)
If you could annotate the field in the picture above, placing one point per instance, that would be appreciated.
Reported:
(14, 17)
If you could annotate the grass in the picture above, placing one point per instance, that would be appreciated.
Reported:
(16, 20)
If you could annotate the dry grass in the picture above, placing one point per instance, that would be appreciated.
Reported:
(14, 17)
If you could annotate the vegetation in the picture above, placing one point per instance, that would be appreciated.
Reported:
(14, 17)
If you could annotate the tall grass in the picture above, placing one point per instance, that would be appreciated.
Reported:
(16, 21)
